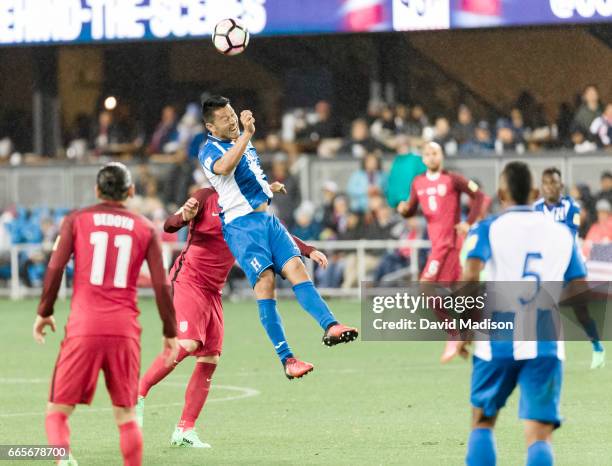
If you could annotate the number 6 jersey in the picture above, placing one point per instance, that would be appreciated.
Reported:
(109, 244)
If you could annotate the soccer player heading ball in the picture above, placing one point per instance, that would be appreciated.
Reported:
(109, 244)
(259, 242)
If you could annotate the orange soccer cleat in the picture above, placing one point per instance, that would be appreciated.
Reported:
(294, 368)
(339, 333)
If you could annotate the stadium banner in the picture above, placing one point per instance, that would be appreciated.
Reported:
(493, 311)
(412, 15)
(493, 13)
(87, 21)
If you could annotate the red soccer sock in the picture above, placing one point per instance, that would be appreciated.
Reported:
(130, 441)
(196, 393)
(58, 430)
(158, 370)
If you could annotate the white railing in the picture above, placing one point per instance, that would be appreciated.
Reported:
(18, 290)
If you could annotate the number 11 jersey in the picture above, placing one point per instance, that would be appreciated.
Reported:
(109, 245)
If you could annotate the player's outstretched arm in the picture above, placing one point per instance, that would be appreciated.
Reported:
(183, 216)
(309, 251)
(470, 188)
(226, 164)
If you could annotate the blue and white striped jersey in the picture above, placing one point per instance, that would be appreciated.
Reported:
(565, 211)
(243, 190)
(521, 245)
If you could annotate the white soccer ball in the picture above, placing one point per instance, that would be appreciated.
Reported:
(230, 37)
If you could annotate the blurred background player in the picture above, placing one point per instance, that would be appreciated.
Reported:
(518, 245)
(438, 192)
(258, 241)
(198, 277)
(563, 209)
(109, 244)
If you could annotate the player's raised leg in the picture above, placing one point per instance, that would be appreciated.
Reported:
(130, 435)
(159, 370)
(196, 394)
(272, 323)
(312, 302)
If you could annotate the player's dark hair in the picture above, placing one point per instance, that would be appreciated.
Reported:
(519, 181)
(211, 104)
(606, 174)
(114, 181)
(551, 171)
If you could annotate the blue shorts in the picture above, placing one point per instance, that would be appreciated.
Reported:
(259, 241)
(539, 380)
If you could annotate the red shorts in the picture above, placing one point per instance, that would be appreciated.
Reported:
(199, 317)
(442, 266)
(80, 361)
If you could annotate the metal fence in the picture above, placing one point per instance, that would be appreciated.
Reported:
(16, 289)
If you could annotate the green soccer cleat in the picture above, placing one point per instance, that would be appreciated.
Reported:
(599, 360)
(140, 411)
(69, 462)
(187, 438)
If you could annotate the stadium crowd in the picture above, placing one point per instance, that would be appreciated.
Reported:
(364, 208)
(584, 127)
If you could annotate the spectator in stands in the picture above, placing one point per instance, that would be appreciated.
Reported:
(405, 167)
(147, 203)
(442, 135)
(384, 128)
(285, 204)
(581, 143)
(324, 126)
(582, 193)
(606, 187)
(588, 110)
(601, 231)
(506, 140)
(104, 133)
(463, 129)
(601, 127)
(417, 122)
(305, 226)
(189, 126)
(398, 259)
(338, 223)
(360, 142)
(165, 137)
(325, 213)
(481, 143)
(517, 123)
(368, 181)
(401, 118)
(178, 181)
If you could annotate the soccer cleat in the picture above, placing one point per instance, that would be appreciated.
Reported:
(187, 438)
(140, 411)
(339, 333)
(599, 360)
(69, 462)
(450, 350)
(294, 368)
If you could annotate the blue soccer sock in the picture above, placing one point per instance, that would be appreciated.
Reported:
(271, 321)
(481, 448)
(540, 454)
(590, 329)
(310, 299)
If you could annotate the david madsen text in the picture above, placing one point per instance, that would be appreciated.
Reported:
(411, 303)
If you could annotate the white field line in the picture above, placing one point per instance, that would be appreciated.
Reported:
(243, 392)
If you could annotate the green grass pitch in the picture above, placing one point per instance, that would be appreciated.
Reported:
(366, 402)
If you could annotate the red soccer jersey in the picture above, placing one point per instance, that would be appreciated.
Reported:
(206, 260)
(109, 244)
(439, 196)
